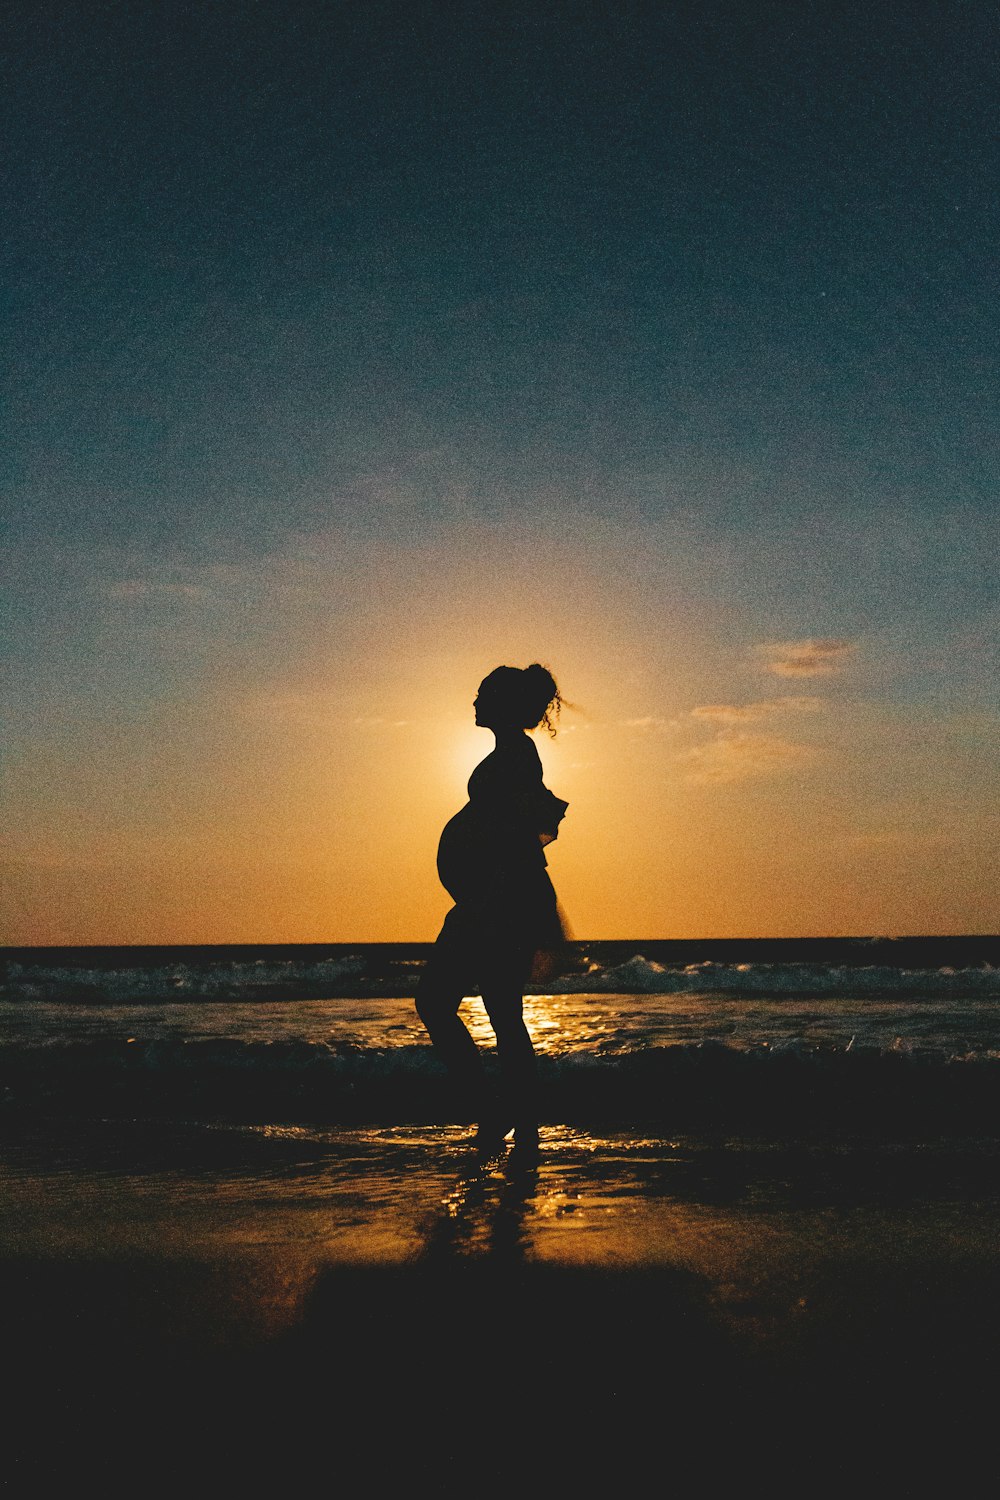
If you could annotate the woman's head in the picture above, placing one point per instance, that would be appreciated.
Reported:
(518, 698)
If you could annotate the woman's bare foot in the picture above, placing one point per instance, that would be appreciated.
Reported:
(492, 1133)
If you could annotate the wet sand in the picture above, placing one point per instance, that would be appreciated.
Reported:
(177, 1296)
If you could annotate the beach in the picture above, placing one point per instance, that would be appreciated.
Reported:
(249, 1287)
(266, 1304)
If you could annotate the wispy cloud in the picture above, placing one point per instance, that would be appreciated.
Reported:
(649, 722)
(902, 841)
(141, 588)
(806, 658)
(313, 709)
(744, 757)
(44, 859)
(749, 713)
(319, 709)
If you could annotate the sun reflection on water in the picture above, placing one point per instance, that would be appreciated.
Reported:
(555, 1022)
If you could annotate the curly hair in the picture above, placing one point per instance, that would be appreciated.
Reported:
(541, 684)
(525, 696)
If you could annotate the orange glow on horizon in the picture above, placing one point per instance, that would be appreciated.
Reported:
(707, 797)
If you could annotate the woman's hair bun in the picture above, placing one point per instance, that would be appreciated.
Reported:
(543, 694)
(525, 696)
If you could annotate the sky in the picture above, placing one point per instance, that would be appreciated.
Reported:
(356, 349)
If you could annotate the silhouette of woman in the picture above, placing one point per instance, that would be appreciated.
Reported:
(491, 862)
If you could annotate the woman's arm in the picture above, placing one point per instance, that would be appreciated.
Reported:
(541, 809)
(509, 785)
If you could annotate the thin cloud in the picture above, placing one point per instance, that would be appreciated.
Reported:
(806, 658)
(744, 757)
(139, 588)
(749, 713)
(314, 709)
(900, 840)
(319, 709)
(46, 860)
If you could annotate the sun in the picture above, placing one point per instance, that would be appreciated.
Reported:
(468, 747)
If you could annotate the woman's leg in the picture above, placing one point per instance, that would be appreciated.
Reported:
(440, 991)
(503, 996)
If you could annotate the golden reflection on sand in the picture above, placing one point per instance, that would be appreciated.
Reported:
(237, 1251)
(767, 1275)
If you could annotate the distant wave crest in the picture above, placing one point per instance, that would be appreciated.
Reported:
(355, 977)
(642, 976)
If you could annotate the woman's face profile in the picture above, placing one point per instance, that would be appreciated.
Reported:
(485, 706)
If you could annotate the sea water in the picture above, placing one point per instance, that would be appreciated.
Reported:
(286, 1036)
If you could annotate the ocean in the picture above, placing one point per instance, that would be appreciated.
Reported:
(235, 1180)
(658, 1032)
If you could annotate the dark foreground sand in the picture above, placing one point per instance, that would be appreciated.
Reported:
(792, 1321)
(481, 1375)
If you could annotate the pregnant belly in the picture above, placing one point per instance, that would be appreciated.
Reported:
(461, 856)
(478, 861)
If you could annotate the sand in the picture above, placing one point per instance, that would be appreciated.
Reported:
(383, 1299)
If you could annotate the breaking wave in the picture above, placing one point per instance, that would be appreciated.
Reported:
(642, 976)
(357, 976)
